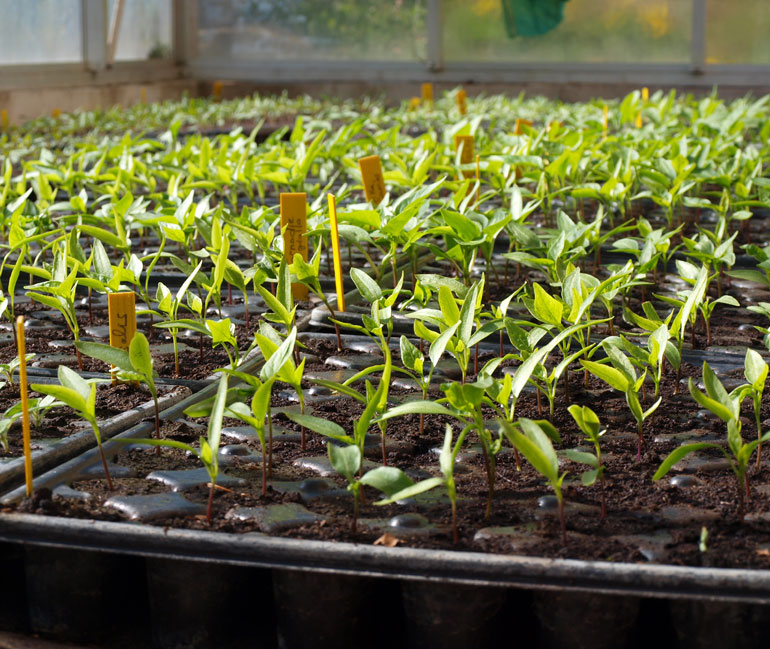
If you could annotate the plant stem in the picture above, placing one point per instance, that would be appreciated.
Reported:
(270, 444)
(453, 500)
(210, 507)
(561, 519)
(264, 470)
(356, 506)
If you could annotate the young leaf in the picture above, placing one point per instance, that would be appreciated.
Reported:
(346, 460)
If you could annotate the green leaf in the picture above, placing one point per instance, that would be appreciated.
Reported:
(387, 479)
(72, 380)
(368, 288)
(467, 314)
(755, 369)
(540, 460)
(582, 457)
(677, 454)
(416, 407)
(107, 354)
(280, 357)
(66, 395)
(415, 490)
(346, 460)
(546, 308)
(438, 347)
(586, 419)
(215, 425)
(721, 411)
(448, 305)
(613, 377)
(321, 426)
(342, 389)
(410, 355)
(589, 477)
(714, 387)
(139, 354)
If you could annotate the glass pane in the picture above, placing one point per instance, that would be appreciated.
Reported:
(40, 31)
(591, 31)
(349, 30)
(737, 31)
(145, 30)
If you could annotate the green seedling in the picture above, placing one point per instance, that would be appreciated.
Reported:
(169, 306)
(80, 395)
(278, 366)
(59, 293)
(728, 408)
(755, 371)
(589, 424)
(208, 453)
(11, 367)
(446, 460)
(37, 409)
(621, 376)
(132, 365)
(533, 440)
(347, 456)
(255, 417)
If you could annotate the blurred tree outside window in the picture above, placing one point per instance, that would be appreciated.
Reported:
(591, 31)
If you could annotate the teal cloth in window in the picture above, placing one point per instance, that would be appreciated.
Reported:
(532, 17)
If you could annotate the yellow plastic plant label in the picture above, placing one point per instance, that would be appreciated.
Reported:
(427, 93)
(143, 94)
(335, 237)
(216, 90)
(414, 103)
(4, 123)
(372, 179)
(21, 343)
(462, 106)
(645, 98)
(122, 314)
(519, 123)
(56, 113)
(605, 119)
(464, 143)
(294, 227)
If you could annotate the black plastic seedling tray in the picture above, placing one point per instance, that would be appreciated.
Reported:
(194, 588)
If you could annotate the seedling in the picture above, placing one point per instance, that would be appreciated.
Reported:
(589, 424)
(208, 453)
(728, 408)
(533, 440)
(755, 371)
(134, 365)
(622, 376)
(80, 395)
(446, 460)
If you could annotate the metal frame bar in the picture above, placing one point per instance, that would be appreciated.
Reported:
(381, 71)
(185, 36)
(698, 37)
(93, 14)
(435, 27)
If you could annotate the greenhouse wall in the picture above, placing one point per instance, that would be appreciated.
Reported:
(348, 47)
